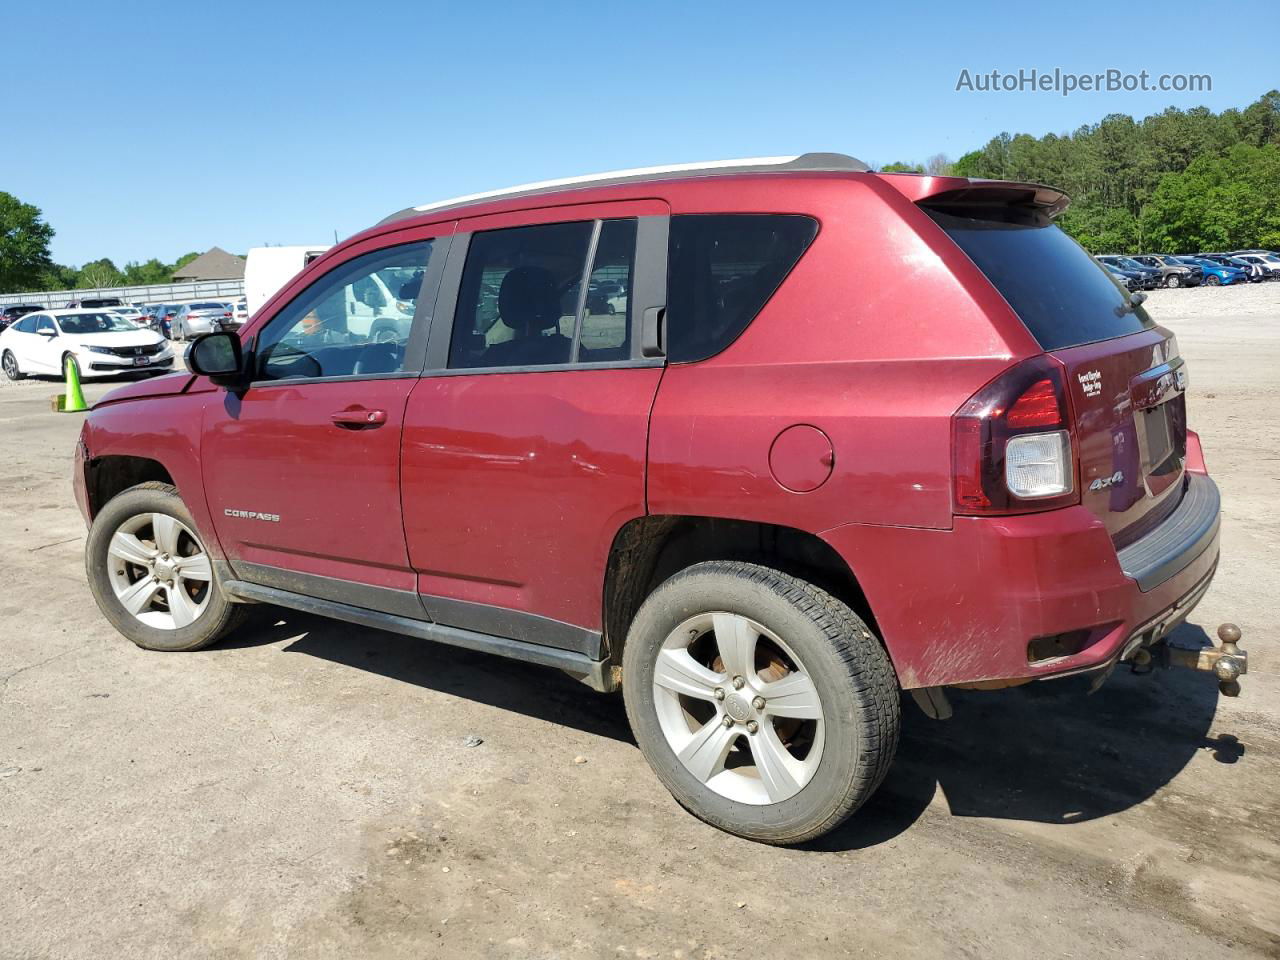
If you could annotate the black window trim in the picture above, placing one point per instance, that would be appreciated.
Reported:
(419, 329)
(648, 290)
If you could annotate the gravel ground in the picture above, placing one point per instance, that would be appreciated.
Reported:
(312, 789)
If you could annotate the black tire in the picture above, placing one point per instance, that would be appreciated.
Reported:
(1172, 281)
(850, 670)
(1213, 280)
(219, 617)
(10, 364)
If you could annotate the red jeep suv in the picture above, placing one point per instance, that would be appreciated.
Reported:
(759, 443)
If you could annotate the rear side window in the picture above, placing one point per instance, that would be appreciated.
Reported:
(522, 303)
(721, 270)
(1058, 291)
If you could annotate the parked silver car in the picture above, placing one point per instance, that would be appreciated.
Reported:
(1172, 273)
(195, 319)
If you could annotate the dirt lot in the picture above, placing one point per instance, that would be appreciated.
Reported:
(307, 790)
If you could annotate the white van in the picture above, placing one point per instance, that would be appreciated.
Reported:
(267, 269)
(374, 305)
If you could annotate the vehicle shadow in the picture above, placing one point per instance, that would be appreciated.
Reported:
(1046, 752)
(538, 692)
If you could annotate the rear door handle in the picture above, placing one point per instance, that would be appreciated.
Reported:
(358, 418)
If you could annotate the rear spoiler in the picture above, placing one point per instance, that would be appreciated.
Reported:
(942, 193)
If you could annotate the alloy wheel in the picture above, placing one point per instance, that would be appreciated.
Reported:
(10, 366)
(159, 571)
(738, 709)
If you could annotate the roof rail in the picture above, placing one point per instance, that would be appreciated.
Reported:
(804, 163)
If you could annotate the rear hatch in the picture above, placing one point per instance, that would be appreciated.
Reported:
(1125, 379)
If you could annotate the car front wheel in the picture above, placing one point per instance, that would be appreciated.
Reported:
(151, 575)
(10, 363)
(1173, 280)
(764, 704)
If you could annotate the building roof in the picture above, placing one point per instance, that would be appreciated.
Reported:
(214, 264)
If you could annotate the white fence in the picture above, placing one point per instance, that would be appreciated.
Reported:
(157, 293)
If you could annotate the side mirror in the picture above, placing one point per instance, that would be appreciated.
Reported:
(217, 356)
(48, 333)
(1137, 299)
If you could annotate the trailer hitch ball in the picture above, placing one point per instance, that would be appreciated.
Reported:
(1229, 665)
(1226, 662)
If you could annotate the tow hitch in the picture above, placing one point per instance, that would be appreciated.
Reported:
(1226, 662)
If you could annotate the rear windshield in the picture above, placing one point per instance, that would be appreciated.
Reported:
(1062, 295)
(208, 306)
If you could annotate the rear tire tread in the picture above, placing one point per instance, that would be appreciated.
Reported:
(868, 669)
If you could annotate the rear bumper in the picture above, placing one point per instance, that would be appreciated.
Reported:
(964, 605)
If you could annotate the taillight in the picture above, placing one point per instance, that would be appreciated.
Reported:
(1012, 449)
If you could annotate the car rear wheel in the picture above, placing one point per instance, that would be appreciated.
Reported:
(10, 363)
(151, 575)
(1173, 280)
(764, 704)
(1213, 280)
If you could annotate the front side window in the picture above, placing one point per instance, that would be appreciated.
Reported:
(347, 323)
(721, 270)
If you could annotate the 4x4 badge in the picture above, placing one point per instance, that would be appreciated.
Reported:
(1103, 482)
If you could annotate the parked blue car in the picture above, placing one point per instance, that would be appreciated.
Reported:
(1216, 274)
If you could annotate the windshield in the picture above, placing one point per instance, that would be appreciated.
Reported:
(81, 323)
(1132, 264)
(1058, 291)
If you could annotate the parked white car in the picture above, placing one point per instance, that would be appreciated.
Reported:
(132, 314)
(101, 341)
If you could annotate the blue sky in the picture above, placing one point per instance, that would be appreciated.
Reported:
(153, 129)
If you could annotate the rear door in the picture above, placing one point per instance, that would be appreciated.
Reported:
(524, 444)
(1125, 377)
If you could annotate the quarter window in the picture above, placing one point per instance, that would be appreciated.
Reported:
(721, 270)
(353, 321)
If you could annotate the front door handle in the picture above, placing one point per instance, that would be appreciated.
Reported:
(358, 418)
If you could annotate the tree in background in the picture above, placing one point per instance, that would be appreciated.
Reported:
(1218, 203)
(1180, 180)
(24, 244)
(100, 273)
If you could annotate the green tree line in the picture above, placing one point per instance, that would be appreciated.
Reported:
(1180, 181)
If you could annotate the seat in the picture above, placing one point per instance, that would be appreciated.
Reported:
(529, 303)
(378, 358)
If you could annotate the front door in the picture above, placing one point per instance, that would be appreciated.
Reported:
(47, 347)
(302, 469)
(525, 441)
